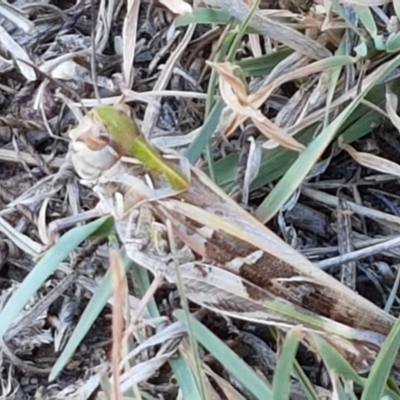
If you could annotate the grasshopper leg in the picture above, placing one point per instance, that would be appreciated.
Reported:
(63, 223)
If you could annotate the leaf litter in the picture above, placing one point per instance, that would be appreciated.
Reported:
(51, 77)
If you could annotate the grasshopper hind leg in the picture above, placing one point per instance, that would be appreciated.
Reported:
(63, 223)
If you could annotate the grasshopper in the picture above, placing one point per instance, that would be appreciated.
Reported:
(229, 262)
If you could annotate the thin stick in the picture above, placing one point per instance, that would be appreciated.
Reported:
(359, 254)
(370, 213)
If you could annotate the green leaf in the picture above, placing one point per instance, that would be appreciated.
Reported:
(367, 18)
(195, 149)
(335, 361)
(393, 292)
(193, 152)
(185, 377)
(204, 15)
(140, 276)
(349, 24)
(281, 381)
(229, 359)
(396, 5)
(87, 319)
(183, 373)
(393, 43)
(263, 65)
(208, 15)
(43, 269)
(305, 382)
(379, 374)
(302, 166)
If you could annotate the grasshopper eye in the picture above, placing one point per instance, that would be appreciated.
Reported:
(94, 142)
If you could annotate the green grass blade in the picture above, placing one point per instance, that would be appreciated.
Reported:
(367, 18)
(140, 276)
(209, 15)
(336, 361)
(396, 5)
(204, 15)
(212, 84)
(241, 32)
(276, 162)
(305, 382)
(195, 149)
(87, 319)
(183, 372)
(193, 152)
(43, 269)
(340, 392)
(199, 373)
(302, 166)
(349, 24)
(379, 374)
(262, 66)
(281, 382)
(186, 378)
(229, 359)
(393, 292)
(393, 43)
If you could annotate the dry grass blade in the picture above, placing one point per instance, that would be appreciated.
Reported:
(177, 6)
(119, 295)
(141, 372)
(371, 161)
(345, 244)
(276, 31)
(152, 109)
(266, 89)
(29, 159)
(359, 254)
(229, 391)
(16, 17)
(391, 107)
(18, 53)
(390, 220)
(24, 242)
(129, 33)
(234, 93)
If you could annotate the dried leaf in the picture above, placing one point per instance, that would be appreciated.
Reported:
(391, 107)
(179, 7)
(253, 167)
(272, 29)
(119, 291)
(235, 96)
(280, 76)
(18, 53)
(129, 34)
(371, 161)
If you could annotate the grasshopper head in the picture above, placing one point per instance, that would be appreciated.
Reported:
(90, 149)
